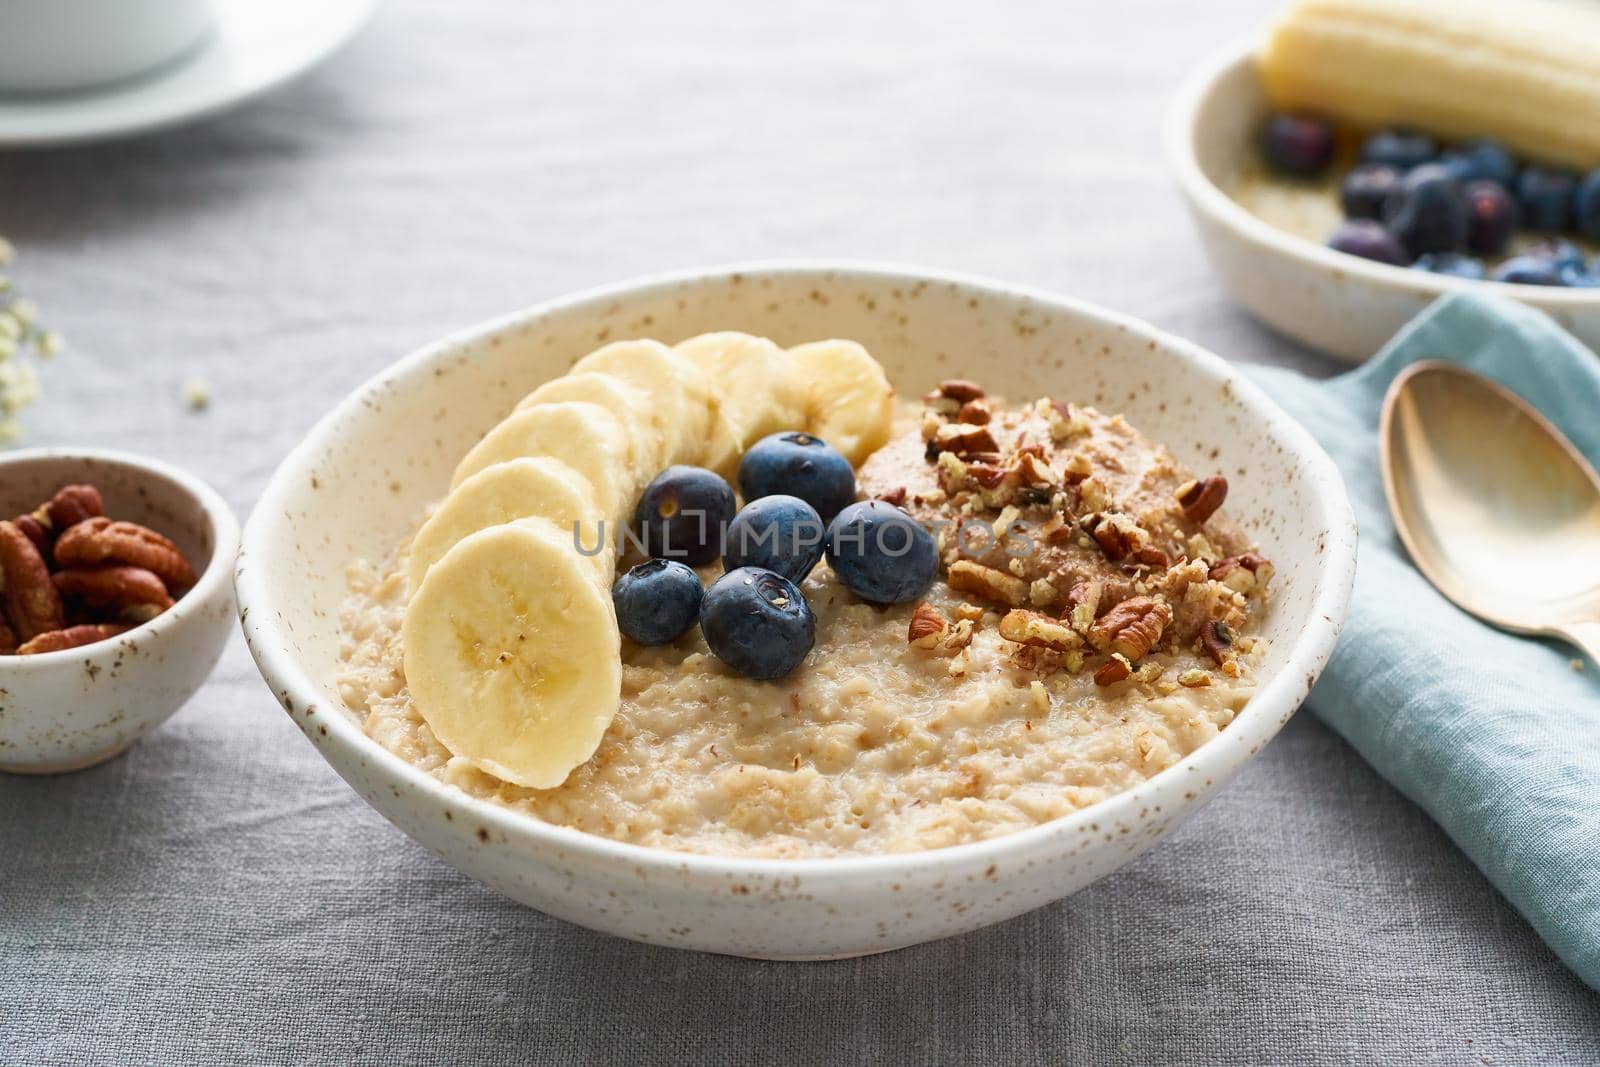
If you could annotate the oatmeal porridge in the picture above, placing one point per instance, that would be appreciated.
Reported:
(1091, 624)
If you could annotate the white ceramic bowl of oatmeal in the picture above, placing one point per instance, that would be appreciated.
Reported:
(355, 488)
(1280, 270)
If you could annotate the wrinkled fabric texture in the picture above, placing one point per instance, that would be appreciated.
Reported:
(1496, 735)
(219, 894)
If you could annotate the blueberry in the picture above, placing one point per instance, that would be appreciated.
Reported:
(1568, 260)
(1529, 270)
(801, 465)
(881, 554)
(1300, 145)
(1403, 149)
(1365, 188)
(1491, 217)
(683, 514)
(657, 601)
(776, 533)
(1545, 196)
(1427, 213)
(1481, 160)
(1450, 263)
(757, 622)
(1369, 240)
(1586, 206)
(1565, 255)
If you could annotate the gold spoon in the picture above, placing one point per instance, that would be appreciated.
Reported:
(1497, 508)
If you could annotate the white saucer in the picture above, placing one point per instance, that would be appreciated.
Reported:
(255, 45)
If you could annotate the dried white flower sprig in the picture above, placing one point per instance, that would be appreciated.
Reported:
(22, 342)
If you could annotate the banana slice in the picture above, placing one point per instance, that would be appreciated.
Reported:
(849, 402)
(647, 451)
(530, 487)
(681, 408)
(584, 436)
(512, 653)
(753, 391)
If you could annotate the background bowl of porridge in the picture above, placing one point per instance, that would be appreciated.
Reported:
(355, 487)
(1270, 254)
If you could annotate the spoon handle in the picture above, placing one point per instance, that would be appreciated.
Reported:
(1586, 635)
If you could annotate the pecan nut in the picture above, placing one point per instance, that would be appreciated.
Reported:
(961, 390)
(1243, 573)
(1083, 604)
(32, 604)
(30, 525)
(1114, 670)
(1201, 498)
(8, 640)
(928, 626)
(1216, 637)
(113, 587)
(964, 439)
(72, 637)
(98, 541)
(1132, 628)
(974, 413)
(72, 504)
(1040, 631)
(1117, 535)
(895, 497)
(987, 582)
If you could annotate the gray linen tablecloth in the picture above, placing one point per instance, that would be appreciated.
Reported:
(218, 893)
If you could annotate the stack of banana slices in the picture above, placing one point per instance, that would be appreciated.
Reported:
(512, 653)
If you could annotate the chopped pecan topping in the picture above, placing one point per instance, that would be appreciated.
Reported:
(72, 504)
(1032, 628)
(974, 413)
(1118, 536)
(1132, 628)
(1083, 604)
(1056, 530)
(961, 390)
(1114, 670)
(1151, 556)
(964, 440)
(969, 577)
(32, 604)
(987, 477)
(928, 626)
(72, 637)
(100, 540)
(1243, 573)
(1217, 639)
(1033, 470)
(960, 635)
(895, 496)
(1200, 499)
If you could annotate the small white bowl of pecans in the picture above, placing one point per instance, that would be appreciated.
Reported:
(116, 599)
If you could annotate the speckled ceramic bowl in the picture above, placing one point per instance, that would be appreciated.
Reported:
(64, 711)
(356, 485)
(1343, 305)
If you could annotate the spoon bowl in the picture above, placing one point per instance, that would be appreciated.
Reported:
(1496, 507)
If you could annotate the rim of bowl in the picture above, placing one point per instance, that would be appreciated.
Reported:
(1181, 135)
(225, 537)
(1268, 709)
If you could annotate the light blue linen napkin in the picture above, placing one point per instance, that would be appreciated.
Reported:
(1496, 736)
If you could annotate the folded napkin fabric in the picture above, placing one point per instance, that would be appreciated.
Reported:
(1496, 736)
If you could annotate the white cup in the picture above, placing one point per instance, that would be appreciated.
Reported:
(56, 45)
